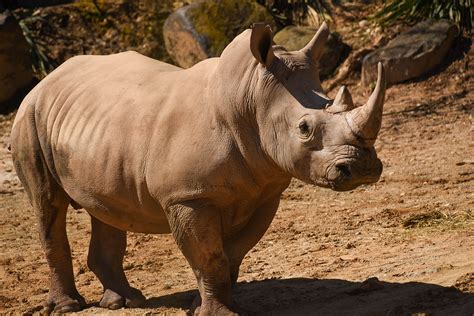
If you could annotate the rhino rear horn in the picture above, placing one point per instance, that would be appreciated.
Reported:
(365, 121)
(261, 43)
(343, 101)
(314, 49)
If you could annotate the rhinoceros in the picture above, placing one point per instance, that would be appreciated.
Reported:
(202, 153)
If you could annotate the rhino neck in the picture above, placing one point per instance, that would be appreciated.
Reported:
(234, 100)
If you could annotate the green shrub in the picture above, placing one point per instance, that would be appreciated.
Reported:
(293, 12)
(459, 11)
(41, 64)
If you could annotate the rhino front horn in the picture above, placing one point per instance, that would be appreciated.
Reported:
(365, 121)
(315, 47)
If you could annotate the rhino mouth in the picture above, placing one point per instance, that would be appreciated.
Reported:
(348, 175)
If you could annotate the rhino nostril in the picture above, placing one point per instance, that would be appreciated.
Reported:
(344, 170)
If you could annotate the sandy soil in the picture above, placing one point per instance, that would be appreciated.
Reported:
(402, 246)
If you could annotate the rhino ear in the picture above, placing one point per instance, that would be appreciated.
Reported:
(261, 43)
(315, 47)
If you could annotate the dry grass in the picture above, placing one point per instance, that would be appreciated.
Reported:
(437, 218)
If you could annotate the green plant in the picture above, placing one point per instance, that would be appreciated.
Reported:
(41, 63)
(459, 11)
(291, 12)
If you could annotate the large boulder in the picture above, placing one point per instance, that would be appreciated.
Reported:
(15, 60)
(296, 37)
(412, 53)
(203, 29)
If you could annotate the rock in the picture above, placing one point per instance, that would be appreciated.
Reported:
(15, 60)
(352, 64)
(296, 37)
(203, 29)
(363, 23)
(412, 53)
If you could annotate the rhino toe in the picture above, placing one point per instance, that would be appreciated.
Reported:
(68, 308)
(112, 300)
(64, 304)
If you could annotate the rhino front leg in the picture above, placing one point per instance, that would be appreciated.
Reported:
(105, 258)
(197, 231)
(237, 247)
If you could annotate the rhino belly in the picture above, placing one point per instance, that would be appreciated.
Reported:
(118, 212)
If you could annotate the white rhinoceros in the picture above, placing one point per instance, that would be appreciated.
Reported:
(203, 153)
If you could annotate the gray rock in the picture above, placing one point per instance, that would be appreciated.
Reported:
(412, 53)
(296, 37)
(15, 60)
(203, 29)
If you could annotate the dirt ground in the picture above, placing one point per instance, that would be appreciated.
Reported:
(402, 246)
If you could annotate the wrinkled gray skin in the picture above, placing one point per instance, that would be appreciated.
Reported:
(202, 153)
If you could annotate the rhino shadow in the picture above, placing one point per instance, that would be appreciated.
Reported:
(303, 296)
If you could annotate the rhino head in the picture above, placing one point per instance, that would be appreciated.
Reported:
(321, 141)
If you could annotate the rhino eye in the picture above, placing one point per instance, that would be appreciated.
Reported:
(304, 128)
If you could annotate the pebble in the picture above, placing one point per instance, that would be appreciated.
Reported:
(349, 245)
(349, 258)
(363, 23)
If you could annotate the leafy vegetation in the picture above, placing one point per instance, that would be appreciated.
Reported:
(41, 64)
(459, 11)
(294, 12)
(57, 33)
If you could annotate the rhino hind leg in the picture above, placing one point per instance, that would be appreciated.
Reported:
(63, 295)
(105, 259)
(50, 203)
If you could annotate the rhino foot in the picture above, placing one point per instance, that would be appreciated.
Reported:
(64, 304)
(113, 300)
(215, 310)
